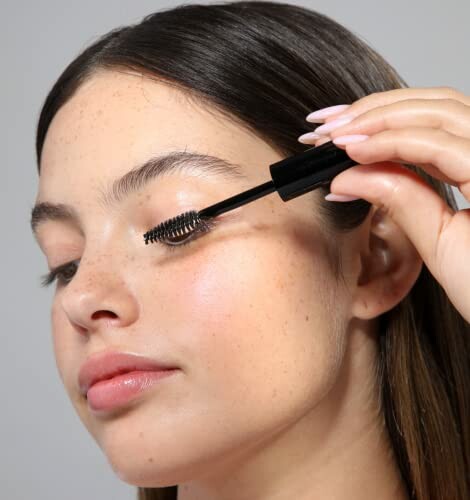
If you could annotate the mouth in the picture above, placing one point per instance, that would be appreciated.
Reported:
(109, 365)
(118, 391)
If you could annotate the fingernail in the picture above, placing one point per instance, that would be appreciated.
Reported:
(323, 113)
(349, 139)
(328, 127)
(321, 141)
(340, 197)
(308, 136)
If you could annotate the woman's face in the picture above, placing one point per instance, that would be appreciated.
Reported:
(244, 311)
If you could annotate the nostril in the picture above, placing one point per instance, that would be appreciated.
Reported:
(106, 314)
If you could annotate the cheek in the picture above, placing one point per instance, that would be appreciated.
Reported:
(253, 325)
(60, 342)
(68, 352)
(249, 322)
(258, 351)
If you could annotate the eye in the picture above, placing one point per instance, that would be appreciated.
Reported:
(186, 239)
(63, 274)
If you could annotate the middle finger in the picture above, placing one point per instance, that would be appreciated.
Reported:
(448, 154)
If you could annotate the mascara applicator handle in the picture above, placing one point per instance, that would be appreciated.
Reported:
(303, 172)
(291, 177)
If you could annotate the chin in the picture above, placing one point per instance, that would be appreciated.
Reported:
(148, 462)
(146, 472)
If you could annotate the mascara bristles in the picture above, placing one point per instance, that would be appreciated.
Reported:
(177, 226)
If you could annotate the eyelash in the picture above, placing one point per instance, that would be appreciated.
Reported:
(58, 272)
(48, 278)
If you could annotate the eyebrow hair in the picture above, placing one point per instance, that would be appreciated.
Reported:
(137, 178)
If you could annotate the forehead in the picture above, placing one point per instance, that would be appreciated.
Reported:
(117, 120)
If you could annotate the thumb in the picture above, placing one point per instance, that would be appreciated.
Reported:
(405, 197)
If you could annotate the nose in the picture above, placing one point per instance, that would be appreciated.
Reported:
(99, 297)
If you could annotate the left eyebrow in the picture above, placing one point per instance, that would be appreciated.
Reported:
(136, 179)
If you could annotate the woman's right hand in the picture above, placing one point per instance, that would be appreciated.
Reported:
(427, 127)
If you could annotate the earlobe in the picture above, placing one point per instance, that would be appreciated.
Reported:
(390, 266)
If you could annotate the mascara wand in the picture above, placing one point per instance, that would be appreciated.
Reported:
(291, 177)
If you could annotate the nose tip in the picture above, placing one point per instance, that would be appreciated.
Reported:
(99, 304)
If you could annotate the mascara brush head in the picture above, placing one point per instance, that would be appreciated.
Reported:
(177, 226)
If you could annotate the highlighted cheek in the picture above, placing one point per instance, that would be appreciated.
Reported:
(219, 298)
(212, 289)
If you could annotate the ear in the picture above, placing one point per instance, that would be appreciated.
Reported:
(390, 265)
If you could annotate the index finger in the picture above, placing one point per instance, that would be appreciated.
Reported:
(377, 99)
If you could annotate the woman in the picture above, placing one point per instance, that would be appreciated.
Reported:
(320, 349)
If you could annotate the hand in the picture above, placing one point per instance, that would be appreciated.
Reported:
(427, 127)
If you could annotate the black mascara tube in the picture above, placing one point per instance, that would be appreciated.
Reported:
(301, 173)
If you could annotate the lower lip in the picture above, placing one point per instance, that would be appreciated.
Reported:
(118, 391)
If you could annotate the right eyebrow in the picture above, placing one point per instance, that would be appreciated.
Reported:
(136, 179)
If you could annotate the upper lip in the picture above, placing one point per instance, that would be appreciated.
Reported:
(107, 364)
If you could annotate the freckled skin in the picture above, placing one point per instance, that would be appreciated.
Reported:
(245, 311)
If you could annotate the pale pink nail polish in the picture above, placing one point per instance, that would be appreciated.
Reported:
(328, 127)
(340, 197)
(323, 113)
(309, 136)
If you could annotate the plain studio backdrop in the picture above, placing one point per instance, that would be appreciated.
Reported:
(45, 450)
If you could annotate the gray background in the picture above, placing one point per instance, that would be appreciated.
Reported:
(45, 451)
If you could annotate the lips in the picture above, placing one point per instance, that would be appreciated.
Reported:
(106, 365)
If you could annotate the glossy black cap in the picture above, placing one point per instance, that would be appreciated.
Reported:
(303, 172)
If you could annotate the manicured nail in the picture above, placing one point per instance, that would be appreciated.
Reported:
(328, 127)
(340, 197)
(308, 136)
(321, 114)
(321, 141)
(349, 139)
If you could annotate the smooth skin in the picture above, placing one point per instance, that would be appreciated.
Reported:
(276, 397)
(430, 128)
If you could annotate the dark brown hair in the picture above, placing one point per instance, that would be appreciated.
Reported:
(266, 65)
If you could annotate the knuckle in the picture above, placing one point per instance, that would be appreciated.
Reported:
(441, 247)
(391, 195)
(452, 103)
(445, 114)
(382, 98)
(449, 91)
(440, 147)
(369, 100)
